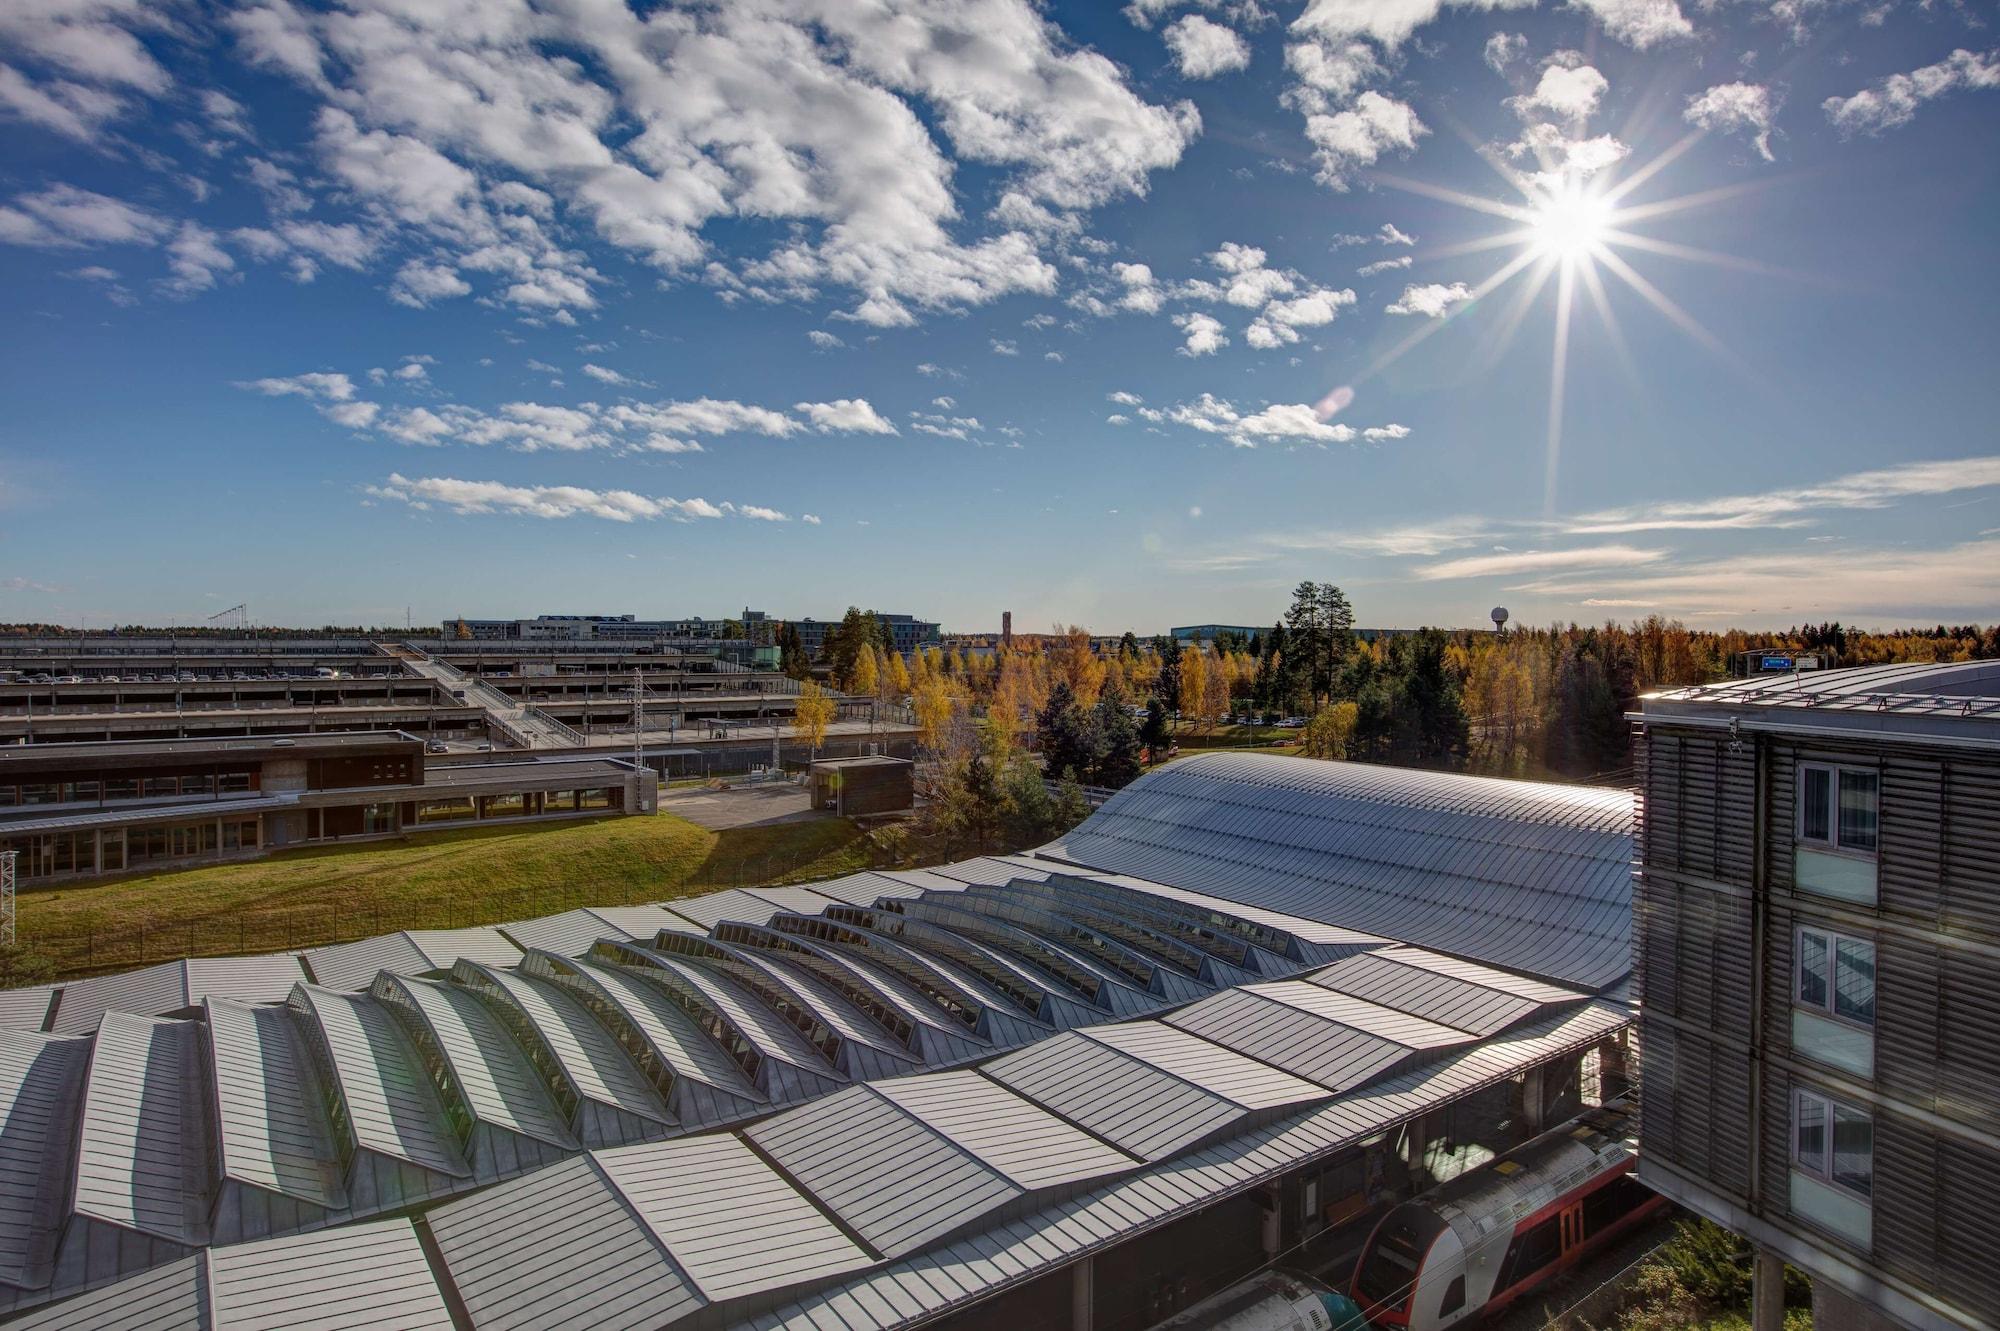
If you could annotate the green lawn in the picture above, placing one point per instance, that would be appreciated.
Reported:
(1239, 737)
(303, 898)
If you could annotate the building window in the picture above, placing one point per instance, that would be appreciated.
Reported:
(1833, 1143)
(1836, 974)
(1839, 807)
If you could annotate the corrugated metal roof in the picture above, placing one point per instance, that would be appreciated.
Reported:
(141, 1162)
(271, 1137)
(488, 1069)
(729, 1220)
(391, 1107)
(1446, 990)
(1017, 1138)
(41, 1084)
(412, 952)
(25, 1009)
(587, 1054)
(1329, 1038)
(1531, 877)
(361, 1278)
(567, 1252)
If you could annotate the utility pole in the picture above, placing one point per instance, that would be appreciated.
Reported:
(638, 719)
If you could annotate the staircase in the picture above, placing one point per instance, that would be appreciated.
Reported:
(522, 726)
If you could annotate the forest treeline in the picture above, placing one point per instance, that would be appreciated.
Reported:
(1532, 701)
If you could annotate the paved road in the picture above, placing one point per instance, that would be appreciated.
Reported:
(746, 806)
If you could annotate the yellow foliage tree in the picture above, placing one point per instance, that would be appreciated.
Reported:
(813, 715)
(866, 674)
(1327, 734)
(899, 676)
(935, 704)
(1194, 681)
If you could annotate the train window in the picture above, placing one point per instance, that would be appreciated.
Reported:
(1389, 1267)
(1612, 1203)
(1531, 1250)
(1454, 1297)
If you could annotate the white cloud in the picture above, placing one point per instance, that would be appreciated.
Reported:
(1116, 418)
(1513, 562)
(1417, 539)
(758, 513)
(1893, 102)
(1281, 422)
(1280, 320)
(1124, 399)
(822, 339)
(1956, 583)
(847, 415)
(1788, 507)
(1640, 24)
(1379, 434)
(1384, 266)
(418, 284)
(1360, 136)
(1431, 300)
(945, 403)
(1004, 347)
(1203, 335)
(73, 110)
(65, 216)
(810, 519)
(604, 375)
(413, 371)
(704, 415)
(315, 386)
(86, 39)
(1141, 293)
(353, 415)
(1505, 49)
(1203, 49)
(547, 501)
(1569, 91)
(1389, 235)
(1736, 107)
(962, 428)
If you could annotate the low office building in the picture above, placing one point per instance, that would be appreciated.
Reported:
(1818, 937)
(83, 810)
(906, 633)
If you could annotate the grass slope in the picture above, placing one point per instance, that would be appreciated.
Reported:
(428, 880)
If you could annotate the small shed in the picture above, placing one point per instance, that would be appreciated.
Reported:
(855, 787)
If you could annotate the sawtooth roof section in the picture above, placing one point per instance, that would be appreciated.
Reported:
(353, 966)
(755, 905)
(1443, 989)
(1527, 876)
(41, 1086)
(489, 1072)
(906, 1161)
(1148, 1088)
(356, 1278)
(585, 1053)
(391, 1107)
(1314, 1033)
(271, 1137)
(925, 1286)
(572, 932)
(141, 1158)
(25, 1009)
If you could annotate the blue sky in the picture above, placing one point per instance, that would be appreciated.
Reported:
(1122, 317)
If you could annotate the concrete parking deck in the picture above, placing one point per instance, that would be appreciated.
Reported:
(743, 806)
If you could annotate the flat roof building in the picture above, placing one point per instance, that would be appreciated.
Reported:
(1818, 936)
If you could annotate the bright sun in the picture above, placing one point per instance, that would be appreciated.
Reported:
(1571, 224)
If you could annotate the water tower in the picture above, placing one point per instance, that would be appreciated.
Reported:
(1499, 619)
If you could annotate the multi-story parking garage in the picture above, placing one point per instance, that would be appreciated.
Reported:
(1248, 1002)
(699, 713)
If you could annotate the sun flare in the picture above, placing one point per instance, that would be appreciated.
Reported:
(1570, 224)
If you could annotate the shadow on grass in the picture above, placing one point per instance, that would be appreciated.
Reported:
(781, 852)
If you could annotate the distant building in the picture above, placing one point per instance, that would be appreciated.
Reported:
(906, 633)
(1818, 932)
(856, 787)
(79, 810)
(1188, 633)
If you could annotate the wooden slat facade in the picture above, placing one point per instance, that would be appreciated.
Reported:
(1714, 951)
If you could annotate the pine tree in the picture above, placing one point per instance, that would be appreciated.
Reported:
(1118, 744)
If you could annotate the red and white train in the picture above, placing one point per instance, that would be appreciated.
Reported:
(1471, 1247)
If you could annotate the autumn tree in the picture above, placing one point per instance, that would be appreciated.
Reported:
(1328, 733)
(1193, 676)
(812, 715)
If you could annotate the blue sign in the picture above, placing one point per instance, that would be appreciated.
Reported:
(1777, 663)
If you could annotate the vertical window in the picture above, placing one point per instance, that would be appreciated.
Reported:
(1833, 1142)
(1858, 796)
(1454, 1297)
(1854, 980)
(1839, 807)
(1815, 799)
(1812, 968)
(1836, 975)
(1809, 1134)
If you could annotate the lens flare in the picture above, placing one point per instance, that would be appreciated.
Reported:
(1570, 225)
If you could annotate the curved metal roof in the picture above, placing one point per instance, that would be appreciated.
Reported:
(1522, 875)
(337, 1106)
